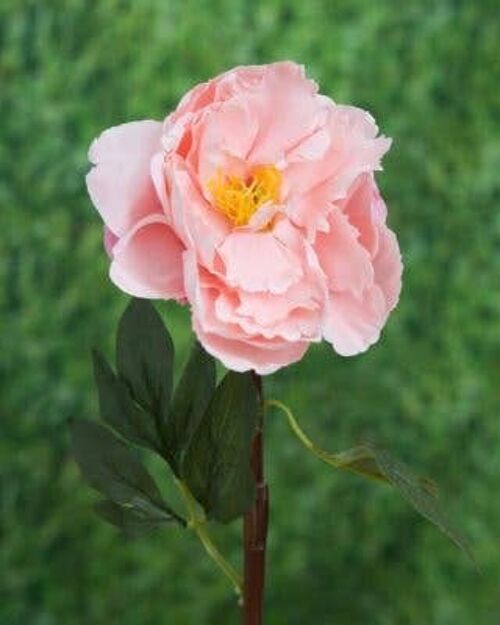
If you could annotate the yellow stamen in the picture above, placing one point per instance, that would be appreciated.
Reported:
(238, 199)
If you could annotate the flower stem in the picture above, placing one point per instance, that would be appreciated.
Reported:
(255, 528)
(199, 526)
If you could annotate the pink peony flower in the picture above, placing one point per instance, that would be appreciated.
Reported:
(255, 202)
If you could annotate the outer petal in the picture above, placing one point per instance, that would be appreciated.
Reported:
(354, 135)
(120, 184)
(350, 324)
(367, 211)
(388, 266)
(157, 170)
(244, 355)
(360, 208)
(147, 262)
(109, 240)
(346, 263)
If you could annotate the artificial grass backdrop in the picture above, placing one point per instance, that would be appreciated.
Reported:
(341, 551)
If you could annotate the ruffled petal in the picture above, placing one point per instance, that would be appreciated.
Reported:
(228, 134)
(360, 208)
(258, 261)
(352, 324)
(286, 108)
(354, 149)
(346, 263)
(237, 349)
(197, 223)
(367, 211)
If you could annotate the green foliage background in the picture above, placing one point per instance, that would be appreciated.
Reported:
(341, 551)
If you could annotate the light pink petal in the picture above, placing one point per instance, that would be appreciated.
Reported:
(258, 261)
(205, 97)
(238, 355)
(157, 168)
(354, 136)
(238, 80)
(311, 148)
(110, 240)
(264, 216)
(293, 315)
(359, 206)
(351, 324)
(308, 294)
(354, 149)
(298, 324)
(221, 88)
(177, 134)
(147, 262)
(228, 134)
(388, 266)
(237, 349)
(346, 263)
(120, 184)
(196, 99)
(286, 108)
(267, 309)
(196, 222)
(310, 210)
(367, 211)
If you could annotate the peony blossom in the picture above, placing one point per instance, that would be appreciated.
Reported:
(255, 203)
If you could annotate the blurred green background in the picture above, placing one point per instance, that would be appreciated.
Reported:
(341, 550)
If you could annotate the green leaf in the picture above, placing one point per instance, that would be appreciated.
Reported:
(364, 460)
(375, 463)
(118, 409)
(216, 465)
(132, 521)
(144, 357)
(111, 468)
(421, 493)
(192, 396)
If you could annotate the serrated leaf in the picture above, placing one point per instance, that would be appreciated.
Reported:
(144, 357)
(131, 521)
(192, 396)
(111, 468)
(421, 493)
(118, 409)
(363, 461)
(216, 465)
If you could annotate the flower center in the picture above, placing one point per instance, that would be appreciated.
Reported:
(239, 198)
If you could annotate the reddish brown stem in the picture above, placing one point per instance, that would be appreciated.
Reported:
(255, 529)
